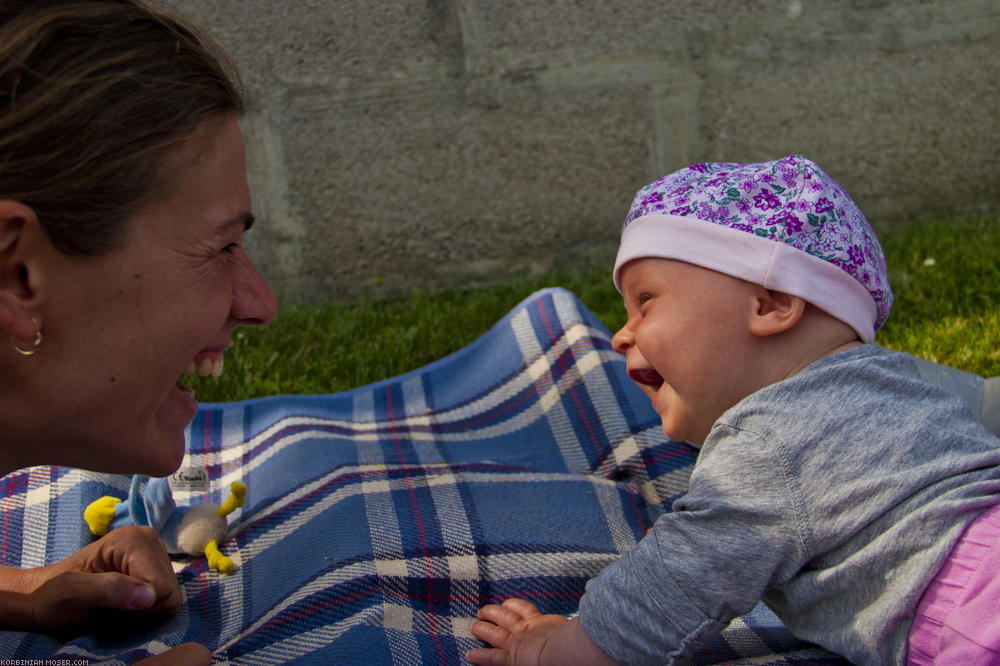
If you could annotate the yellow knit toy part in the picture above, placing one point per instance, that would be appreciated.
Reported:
(238, 495)
(99, 513)
(216, 560)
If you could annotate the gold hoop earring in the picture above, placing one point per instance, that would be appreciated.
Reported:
(37, 342)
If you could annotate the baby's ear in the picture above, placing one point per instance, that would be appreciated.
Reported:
(775, 312)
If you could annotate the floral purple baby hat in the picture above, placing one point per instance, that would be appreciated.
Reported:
(784, 224)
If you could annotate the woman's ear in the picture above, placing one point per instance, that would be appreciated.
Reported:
(21, 239)
(775, 312)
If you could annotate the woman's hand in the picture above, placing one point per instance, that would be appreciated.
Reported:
(128, 570)
(521, 635)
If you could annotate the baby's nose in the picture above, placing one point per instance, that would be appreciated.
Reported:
(622, 340)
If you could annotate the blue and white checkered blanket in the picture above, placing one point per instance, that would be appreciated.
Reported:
(379, 520)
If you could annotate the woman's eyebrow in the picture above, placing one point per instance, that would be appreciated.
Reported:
(245, 220)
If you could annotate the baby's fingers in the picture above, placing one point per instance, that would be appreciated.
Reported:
(492, 634)
(488, 657)
(523, 609)
(506, 627)
(487, 630)
(508, 615)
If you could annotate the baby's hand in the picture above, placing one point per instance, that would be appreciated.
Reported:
(518, 632)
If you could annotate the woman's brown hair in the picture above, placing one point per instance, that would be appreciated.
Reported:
(94, 94)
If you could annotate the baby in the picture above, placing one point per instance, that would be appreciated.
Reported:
(861, 504)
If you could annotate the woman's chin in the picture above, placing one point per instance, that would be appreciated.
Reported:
(151, 456)
(167, 460)
(164, 452)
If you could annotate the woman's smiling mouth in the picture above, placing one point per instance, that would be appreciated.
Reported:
(206, 367)
(203, 365)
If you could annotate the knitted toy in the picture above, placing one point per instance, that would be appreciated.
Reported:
(197, 530)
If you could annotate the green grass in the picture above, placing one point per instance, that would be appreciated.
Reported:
(946, 278)
(947, 310)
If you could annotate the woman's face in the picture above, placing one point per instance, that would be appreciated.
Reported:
(125, 325)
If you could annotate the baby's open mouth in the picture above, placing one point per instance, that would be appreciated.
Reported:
(646, 376)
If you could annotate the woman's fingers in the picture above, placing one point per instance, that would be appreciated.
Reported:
(188, 654)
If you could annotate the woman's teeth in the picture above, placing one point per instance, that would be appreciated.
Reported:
(205, 367)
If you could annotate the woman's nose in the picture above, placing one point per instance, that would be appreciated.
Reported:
(253, 301)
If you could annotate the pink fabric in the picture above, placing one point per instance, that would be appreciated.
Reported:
(958, 619)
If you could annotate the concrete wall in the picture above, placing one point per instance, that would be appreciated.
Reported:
(397, 143)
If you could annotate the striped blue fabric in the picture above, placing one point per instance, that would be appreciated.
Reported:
(377, 521)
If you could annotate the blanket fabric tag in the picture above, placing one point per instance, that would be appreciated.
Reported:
(192, 479)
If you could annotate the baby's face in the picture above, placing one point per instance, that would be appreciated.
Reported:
(686, 341)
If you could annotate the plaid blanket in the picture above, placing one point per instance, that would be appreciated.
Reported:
(377, 521)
